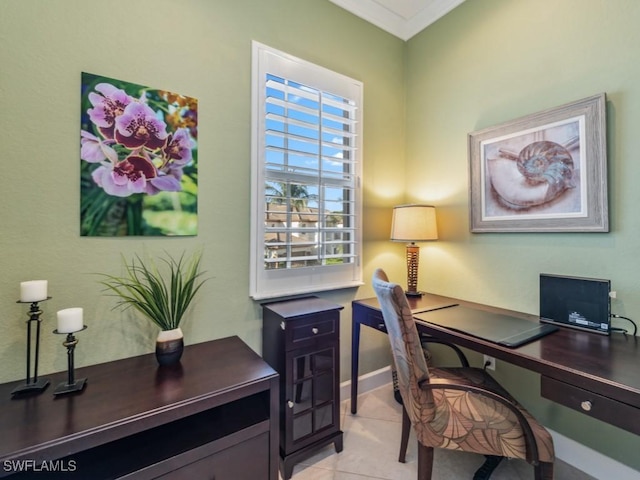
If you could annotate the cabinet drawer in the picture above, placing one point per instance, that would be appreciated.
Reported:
(597, 406)
(245, 461)
(312, 328)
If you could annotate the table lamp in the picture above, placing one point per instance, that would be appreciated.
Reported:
(413, 223)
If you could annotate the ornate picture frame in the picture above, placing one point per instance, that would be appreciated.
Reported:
(544, 172)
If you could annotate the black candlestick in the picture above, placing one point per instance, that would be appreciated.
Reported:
(72, 385)
(34, 385)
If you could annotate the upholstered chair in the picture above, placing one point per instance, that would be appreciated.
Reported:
(461, 408)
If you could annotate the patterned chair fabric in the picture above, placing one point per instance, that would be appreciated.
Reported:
(457, 408)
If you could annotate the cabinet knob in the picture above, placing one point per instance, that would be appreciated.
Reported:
(586, 405)
(315, 330)
(290, 404)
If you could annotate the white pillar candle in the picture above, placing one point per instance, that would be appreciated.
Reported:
(70, 320)
(33, 291)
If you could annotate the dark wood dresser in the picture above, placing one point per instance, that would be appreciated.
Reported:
(301, 340)
(214, 415)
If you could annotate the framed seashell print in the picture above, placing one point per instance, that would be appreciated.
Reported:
(545, 172)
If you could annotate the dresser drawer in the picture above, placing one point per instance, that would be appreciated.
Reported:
(229, 464)
(597, 406)
(313, 328)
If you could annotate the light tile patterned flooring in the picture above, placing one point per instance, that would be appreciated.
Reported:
(371, 442)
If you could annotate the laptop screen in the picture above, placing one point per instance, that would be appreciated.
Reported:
(576, 302)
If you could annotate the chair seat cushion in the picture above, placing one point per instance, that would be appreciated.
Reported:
(460, 420)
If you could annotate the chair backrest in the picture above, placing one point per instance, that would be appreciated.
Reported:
(408, 355)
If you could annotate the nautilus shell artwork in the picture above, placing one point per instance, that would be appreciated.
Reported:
(538, 174)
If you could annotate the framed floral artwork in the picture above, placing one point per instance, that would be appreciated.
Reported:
(545, 172)
(139, 160)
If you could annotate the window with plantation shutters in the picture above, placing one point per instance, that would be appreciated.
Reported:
(306, 198)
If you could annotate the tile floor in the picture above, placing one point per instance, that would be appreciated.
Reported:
(371, 442)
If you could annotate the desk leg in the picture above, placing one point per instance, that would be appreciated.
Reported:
(355, 355)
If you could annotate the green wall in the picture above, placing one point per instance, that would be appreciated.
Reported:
(491, 61)
(200, 48)
(485, 62)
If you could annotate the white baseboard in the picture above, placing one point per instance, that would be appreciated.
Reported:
(580, 456)
(367, 382)
(591, 461)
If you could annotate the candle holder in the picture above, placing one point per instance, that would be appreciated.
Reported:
(72, 385)
(35, 384)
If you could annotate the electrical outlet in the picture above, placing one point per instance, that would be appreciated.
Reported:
(490, 362)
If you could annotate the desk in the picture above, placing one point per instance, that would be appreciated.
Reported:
(595, 374)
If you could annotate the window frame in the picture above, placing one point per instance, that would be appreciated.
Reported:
(271, 283)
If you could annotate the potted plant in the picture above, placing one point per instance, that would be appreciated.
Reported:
(162, 293)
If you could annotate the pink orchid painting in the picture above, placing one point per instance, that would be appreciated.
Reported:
(139, 160)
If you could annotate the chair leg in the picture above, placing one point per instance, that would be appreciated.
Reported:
(425, 462)
(543, 471)
(406, 430)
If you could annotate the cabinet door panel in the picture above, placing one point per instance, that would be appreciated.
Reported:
(311, 396)
(302, 426)
(323, 388)
(303, 398)
(324, 417)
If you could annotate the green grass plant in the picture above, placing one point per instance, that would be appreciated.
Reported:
(161, 292)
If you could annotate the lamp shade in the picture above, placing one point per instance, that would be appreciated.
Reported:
(414, 223)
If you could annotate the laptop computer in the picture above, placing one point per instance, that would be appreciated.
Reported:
(501, 329)
(576, 302)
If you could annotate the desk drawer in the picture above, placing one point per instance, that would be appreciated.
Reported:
(597, 406)
(376, 320)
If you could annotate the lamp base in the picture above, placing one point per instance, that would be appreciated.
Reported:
(76, 386)
(33, 387)
(413, 294)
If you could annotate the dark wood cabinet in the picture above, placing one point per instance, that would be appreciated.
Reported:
(301, 341)
(214, 415)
